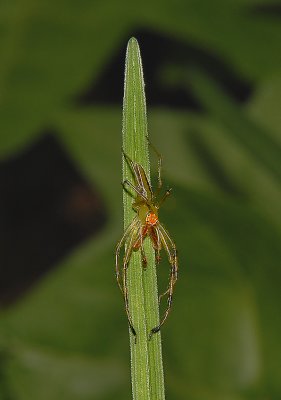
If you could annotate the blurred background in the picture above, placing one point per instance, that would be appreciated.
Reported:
(213, 86)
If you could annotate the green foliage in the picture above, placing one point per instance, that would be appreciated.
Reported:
(67, 339)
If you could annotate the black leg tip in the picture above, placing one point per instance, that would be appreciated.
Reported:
(154, 330)
(134, 333)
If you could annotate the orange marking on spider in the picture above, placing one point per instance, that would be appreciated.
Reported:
(146, 224)
(151, 219)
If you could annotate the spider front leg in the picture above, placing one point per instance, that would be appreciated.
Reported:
(159, 170)
(171, 251)
(166, 194)
(126, 182)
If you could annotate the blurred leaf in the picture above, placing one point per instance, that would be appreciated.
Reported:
(225, 312)
(255, 139)
(264, 106)
(40, 374)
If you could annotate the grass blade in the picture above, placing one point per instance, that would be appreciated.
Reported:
(146, 356)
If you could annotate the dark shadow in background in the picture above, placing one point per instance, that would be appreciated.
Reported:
(272, 10)
(159, 51)
(46, 209)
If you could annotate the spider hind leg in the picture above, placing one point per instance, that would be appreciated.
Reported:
(171, 251)
(128, 240)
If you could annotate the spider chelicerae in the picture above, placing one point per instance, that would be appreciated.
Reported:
(146, 224)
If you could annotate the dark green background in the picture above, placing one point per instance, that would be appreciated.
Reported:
(67, 337)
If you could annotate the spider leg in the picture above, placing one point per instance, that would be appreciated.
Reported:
(156, 242)
(120, 244)
(139, 244)
(160, 182)
(171, 251)
(167, 291)
(143, 186)
(128, 253)
(136, 189)
(159, 157)
(166, 194)
(143, 256)
(163, 295)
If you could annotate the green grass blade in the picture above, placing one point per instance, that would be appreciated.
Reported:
(146, 356)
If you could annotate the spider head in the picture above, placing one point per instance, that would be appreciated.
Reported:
(148, 214)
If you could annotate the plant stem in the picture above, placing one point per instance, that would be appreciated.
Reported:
(146, 356)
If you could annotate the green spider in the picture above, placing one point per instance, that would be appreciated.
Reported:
(146, 224)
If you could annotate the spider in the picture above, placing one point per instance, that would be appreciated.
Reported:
(146, 224)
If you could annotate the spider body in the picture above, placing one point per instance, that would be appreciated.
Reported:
(146, 224)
